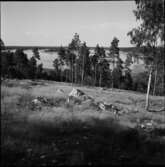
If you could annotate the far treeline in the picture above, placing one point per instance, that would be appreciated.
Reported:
(75, 64)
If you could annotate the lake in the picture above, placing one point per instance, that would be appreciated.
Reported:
(47, 58)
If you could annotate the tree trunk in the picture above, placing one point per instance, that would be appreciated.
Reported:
(100, 80)
(71, 76)
(148, 90)
(82, 74)
(72, 71)
(61, 76)
(75, 73)
(66, 76)
(155, 81)
(112, 79)
(95, 76)
(112, 74)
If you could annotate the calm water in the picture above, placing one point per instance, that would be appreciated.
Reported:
(47, 58)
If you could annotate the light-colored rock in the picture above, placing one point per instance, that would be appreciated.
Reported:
(60, 91)
(36, 101)
(79, 95)
(76, 93)
(101, 106)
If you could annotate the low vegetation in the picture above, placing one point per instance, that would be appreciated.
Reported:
(41, 127)
(69, 134)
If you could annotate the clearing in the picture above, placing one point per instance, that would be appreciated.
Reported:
(39, 127)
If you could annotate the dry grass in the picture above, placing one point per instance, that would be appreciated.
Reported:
(76, 134)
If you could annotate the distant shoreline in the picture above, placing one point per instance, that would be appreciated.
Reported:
(57, 47)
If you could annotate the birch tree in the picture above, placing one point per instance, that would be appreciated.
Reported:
(149, 34)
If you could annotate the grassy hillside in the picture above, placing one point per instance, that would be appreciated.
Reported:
(61, 133)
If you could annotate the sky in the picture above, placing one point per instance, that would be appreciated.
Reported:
(55, 23)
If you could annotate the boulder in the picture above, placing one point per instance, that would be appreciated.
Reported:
(36, 102)
(42, 99)
(108, 107)
(76, 93)
(101, 106)
(147, 125)
(86, 97)
(60, 91)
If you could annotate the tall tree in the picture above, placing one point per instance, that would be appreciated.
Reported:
(7, 63)
(127, 78)
(36, 53)
(71, 57)
(103, 72)
(74, 48)
(84, 61)
(21, 63)
(114, 53)
(32, 67)
(62, 60)
(150, 33)
(39, 71)
(56, 65)
(94, 61)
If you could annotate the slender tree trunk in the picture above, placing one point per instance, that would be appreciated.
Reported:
(66, 76)
(75, 73)
(112, 79)
(148, 90)
(163, 84)
(61, 75)
(95, 75)
(112, 75)
(82, 77)
(72, 71)
(82, 74)
(71, 76)
(100, 79)
(155, 80)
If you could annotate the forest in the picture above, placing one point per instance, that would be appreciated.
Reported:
(75, 65)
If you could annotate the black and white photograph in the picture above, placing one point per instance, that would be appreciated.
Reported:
(82, 83)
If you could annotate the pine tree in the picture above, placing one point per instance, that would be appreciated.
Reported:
(21, 64)
(74, 48)
(36, 53)
(56, 65)
(94, 62)
(84, 62)
(32, 67)
(39, 71)
(114, 53)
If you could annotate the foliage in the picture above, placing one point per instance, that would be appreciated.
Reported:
(36, 53)
(33, 67)
(75, 64)
(149, 35)
(17, 65)
(2, 44)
